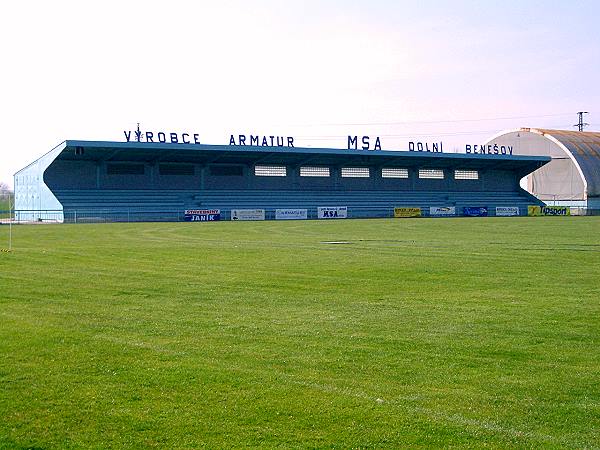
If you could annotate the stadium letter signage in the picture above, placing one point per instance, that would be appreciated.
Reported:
(535, 210)
(366, 143)
(161, 137)
(264, 141)
(489, 149)
(202, 215)
(407, 212)
(332, 212)
(426, 147)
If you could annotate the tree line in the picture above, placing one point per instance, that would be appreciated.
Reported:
(6, 196)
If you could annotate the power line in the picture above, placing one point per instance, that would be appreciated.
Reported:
(411, 135)
(413, 122)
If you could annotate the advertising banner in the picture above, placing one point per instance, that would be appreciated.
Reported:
(442, 210)
(407, 212)
(202, 215)
(247, 214)
(332, 212)
(290, 214)
(556, 210)
(507, 210)
(535, 210)
(475, 211)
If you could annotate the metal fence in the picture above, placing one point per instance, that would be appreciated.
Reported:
(107, 215)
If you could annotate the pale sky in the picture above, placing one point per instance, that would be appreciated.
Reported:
(430, 71)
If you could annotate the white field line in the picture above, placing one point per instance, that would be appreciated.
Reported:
(397, 402)
(444, 417)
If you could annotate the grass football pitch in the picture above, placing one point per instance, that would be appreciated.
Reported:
(320, 334)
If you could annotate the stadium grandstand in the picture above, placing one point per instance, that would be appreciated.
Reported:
(113, 181)
(572, 178)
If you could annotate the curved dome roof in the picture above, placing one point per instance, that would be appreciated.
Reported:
(585, 148)
(582, 147)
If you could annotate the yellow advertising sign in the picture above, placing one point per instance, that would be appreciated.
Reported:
(407, 212)
(535, 210)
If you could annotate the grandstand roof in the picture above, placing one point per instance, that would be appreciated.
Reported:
(206, 154)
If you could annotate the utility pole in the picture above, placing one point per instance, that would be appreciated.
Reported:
(581, 125)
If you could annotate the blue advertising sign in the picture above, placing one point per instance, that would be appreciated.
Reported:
(202, 215)
(475, 211)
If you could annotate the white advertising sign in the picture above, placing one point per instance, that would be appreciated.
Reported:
(442, 211)
(247, 214)
(332, 212)
(287, 214)
(507, 210)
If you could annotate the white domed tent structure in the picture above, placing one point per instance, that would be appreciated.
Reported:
(572, 178)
